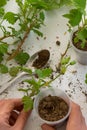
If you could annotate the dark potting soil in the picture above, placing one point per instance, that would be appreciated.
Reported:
(41, 61)
(52, 108)
(78, 44)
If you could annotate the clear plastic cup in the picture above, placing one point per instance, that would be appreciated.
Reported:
(81, 55)
(53, 92)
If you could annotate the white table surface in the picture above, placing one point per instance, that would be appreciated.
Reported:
(72, 82)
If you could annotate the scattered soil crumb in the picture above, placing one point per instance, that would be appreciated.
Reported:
(65, 33)
(45, 38)
(49, 47)
(58, 43)
(37, 38)
(70, 83)
(70, 95)
(57, 37)
(74, 71)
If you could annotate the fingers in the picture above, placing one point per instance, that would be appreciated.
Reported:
(76, 113)
(8, 105)
(76, 120)
(19, 108)
(47, 127)
(14, 114)
(15, 103)
(21, 120)
(13, 118)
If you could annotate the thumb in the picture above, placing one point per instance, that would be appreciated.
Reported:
(47, 127)
(22, 119)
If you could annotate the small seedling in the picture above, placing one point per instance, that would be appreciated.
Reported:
(78, 18)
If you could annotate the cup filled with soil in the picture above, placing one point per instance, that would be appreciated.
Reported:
(52, 106)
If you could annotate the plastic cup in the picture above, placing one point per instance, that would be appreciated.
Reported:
(52, 92)
(81, 55)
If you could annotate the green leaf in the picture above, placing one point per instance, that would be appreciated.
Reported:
(26, 70)
(11, 17)
(23, 90)
(65, 2)
(19, 2)
(74, 17)
(3, 48)
(72, 62)
(3, 69)
(1, 57)
(85, 21)
(44, 4)
(86, 81)
(28, 103)
(86, 76)
(76, 39)
(42, 16)
(22, 58)
(35, 85)
(31, 82)
(14, 32)
(65, 60)
(83, 44)
(82, 34)
(3, 2)
(23, 26)
(63, 69)
(1, 12)
(80, 4)
(38, 32)
(14, 71)
(44, 72)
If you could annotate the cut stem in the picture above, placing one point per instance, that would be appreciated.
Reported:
(20, 45)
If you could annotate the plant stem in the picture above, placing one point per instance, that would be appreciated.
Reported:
(2, 38)
(20, 45)
(62, 55)
(48, 82)
(45, 84)
(54, 78)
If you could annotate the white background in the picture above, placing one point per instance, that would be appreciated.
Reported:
(73, 80)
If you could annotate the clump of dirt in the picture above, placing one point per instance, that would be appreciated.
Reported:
(58, 43)
(52, 108)
(43, 57)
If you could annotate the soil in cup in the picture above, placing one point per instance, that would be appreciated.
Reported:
(41, 61)
(52, 108)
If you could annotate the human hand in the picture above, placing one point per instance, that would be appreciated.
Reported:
(12, 115)
(47, 127)
(76, 120)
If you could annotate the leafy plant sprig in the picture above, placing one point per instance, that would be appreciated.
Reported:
(42, 78)
(30, 17)
(77, 17)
